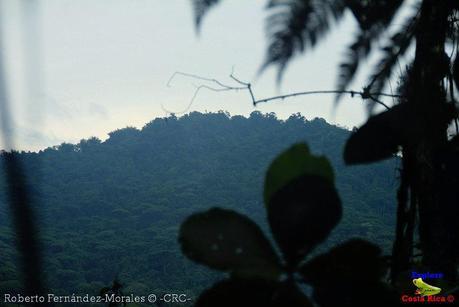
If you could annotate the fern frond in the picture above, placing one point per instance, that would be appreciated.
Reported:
(297, 25)
(452, 33)
(374, 13)
(373, 18)
(397, 47)
(456, 69)
(201, 7)
(358, 51)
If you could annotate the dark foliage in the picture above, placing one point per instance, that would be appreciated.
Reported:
(297, 25)
(373, 18)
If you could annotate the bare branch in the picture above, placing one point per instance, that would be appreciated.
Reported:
(363, 95)
(248, 86)
(239, 81)
(198, 88)
(222, 87)
(203, 79)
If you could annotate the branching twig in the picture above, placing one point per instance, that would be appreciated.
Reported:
(222, 88)
(365, 94)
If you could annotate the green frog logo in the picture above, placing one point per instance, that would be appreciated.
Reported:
(424, 289)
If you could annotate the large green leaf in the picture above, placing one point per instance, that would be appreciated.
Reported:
(234, 292)
(291, 164)
(228, 241)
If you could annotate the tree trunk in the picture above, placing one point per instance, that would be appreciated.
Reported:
(428, 106)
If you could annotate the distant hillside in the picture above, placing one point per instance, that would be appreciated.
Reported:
(113, 208)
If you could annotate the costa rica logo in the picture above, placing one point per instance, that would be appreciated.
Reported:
(426, 293)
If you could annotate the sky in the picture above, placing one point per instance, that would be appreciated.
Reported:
(81, 68)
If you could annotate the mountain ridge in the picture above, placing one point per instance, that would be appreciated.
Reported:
(112, 209)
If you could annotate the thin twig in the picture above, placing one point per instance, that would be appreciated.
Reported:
(203, 79)
(248, 86)
(198, 88)
(363, 95)
(223, 87)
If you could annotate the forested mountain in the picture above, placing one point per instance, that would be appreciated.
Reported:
(112, 209)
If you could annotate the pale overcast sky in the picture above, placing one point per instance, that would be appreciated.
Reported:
(82, 68)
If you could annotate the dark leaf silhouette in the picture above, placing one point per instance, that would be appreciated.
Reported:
(200, 9)
(383, 134)
(449, 196)
(291, 164)
(296, 25)
(229, 241)
(302, 214)
(238, 293)
(456, 71)
(230, 293)
(375, 294)
(379, 138)
(351, 272)
(297, 198)
(355, 261)
(288, 294)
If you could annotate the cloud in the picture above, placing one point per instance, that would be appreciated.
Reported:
(25, 138)
(98, 110)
